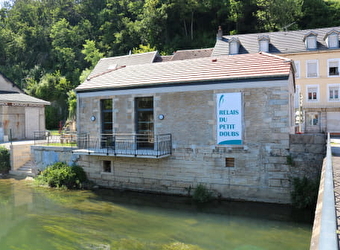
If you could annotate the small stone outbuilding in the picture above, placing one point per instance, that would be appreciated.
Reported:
(20, 114)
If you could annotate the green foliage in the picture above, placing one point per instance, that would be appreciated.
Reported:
(290, 160)
(277, 14)
(47, 45)
(92, 54)
(143, 48)
(305, 193)
(61, 175)
(72, 104)
(201, 194)
(5, 164)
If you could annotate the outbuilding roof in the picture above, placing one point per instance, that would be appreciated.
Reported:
(259, 65)
(191, 54)
(280, 42)
(21, 98)
(111, 63)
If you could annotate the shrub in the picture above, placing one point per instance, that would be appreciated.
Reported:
(5, 164)
(201, 194)
(62, 175)
(305, 193)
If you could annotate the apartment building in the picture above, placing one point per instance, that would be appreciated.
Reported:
(316, 54)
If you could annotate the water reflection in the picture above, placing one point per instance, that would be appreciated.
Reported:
(38, 218)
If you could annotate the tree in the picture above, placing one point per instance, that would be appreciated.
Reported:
(53, 87)
(276, 15)
(316, 14)
(92, 54)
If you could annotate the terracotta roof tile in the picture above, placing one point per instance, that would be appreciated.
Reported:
(193, 70)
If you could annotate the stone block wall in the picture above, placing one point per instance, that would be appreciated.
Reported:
(260, 172)
(307, 152)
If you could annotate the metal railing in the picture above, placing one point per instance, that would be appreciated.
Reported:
(137, 145)
(324, 236)
(65, 139)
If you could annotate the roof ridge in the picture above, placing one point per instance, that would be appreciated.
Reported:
(105, 72)
(285, 59)
(130, 55)
(286, 31)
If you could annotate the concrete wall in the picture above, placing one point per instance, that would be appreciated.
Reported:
(20, 154)
(44, 156)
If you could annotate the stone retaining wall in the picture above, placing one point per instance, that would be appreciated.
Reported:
(307, 152)
(258, 175)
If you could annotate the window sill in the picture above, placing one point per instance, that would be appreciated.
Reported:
(106, 173)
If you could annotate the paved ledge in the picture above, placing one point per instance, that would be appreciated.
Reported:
(336, 183)
(327, 213)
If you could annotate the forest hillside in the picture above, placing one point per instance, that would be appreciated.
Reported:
(49, 46)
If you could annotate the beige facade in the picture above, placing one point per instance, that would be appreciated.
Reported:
(319, 92)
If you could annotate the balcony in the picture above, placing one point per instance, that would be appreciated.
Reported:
(125, 145)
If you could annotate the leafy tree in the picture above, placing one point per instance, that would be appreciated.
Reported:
(276, 15)
(47, 45)
(143, 49)
(91, 53)
(315, 14)
(52, 87)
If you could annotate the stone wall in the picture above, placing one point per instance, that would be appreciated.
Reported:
(180, 173)
(307, 152)
(260, 171)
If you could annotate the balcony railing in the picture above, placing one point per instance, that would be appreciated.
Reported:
(64, 139)
(126, 145)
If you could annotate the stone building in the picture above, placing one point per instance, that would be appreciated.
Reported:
(20, 114)
(166, 127)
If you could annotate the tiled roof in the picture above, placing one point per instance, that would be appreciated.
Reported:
(109, 63)
(21, 98)
(280, 42)
(194, 70)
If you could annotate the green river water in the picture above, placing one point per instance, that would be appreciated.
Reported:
(47, 219)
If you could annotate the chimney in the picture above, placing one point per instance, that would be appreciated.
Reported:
(219, 33)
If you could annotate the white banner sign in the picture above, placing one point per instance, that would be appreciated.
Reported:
(229, 118)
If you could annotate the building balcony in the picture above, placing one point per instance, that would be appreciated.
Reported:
(125, 145)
